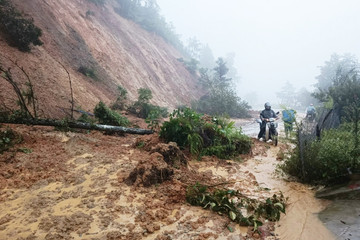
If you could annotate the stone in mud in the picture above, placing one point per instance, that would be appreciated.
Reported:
(171, 153)
(150, 171)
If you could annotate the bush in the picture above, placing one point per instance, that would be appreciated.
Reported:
(119, 104)
(108, 117)
(204, 135)
(325, 160)
(85, 118)
(19, 31)
(8, 138)
(88, 72)
(142, 108)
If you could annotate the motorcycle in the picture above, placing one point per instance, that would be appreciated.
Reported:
(271, 131)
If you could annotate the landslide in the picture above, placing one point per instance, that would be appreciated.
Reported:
(87, 185)
(119, 51)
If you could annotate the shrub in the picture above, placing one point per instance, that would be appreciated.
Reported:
(19, 31)
(240, 209)
(8, 138)
(143, 108)
(108, 117)
(119, 104)
(85, 118)
(204, 135)
(325, 160)
(88, 72)
(191, 65)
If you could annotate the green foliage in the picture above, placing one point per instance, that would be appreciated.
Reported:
(88, 72)
(18, 31)
(85, 118)
(8, 138)
(325, 160)
(89, 13)
(233, 204)
(119, 104)
(221, 98)
(25, 150)
(153, 119)
(203, 136)
(191, 65)
(143, 108)
(108, 117)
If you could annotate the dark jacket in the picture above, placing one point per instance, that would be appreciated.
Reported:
(267, 113)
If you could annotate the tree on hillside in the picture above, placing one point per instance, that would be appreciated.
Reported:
(193, 48)
(287, 95)
(337, 66)
(230, 62)
(304, 98)
(206, 57)
(220, 98)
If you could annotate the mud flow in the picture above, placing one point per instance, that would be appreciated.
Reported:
(87, 185)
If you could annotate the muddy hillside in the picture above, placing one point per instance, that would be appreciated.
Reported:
(80, 34)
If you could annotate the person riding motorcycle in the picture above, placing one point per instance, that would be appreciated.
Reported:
(265, 115)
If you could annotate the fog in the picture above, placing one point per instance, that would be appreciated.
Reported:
(275, 41)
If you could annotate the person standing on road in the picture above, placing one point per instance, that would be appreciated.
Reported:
(265, 115)
(311, 111)
(288, 116)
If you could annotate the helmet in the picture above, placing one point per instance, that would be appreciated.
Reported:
(311, 104)
(267, 105)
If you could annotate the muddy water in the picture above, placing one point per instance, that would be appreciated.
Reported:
(301, 220)
(342, 217)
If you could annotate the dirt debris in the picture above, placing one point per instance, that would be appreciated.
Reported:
(81, 192)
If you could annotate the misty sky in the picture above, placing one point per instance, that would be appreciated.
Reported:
(274, 40)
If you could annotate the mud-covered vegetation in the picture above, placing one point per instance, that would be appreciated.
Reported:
(19, 32)
(204, 135)
(108, 117)
(8, 138)
(230, 202)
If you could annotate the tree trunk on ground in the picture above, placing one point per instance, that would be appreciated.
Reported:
(58, 123)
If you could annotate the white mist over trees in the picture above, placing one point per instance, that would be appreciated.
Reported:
(274, 41)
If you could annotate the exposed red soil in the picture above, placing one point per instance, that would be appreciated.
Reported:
(76, 185)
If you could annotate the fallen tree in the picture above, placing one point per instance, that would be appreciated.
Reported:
(81, 125)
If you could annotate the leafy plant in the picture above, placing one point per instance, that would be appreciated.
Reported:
(324, 161)
(204, 135)
(106, 116)
(119, 104)
(142, 107)
(19, 31)
(85, 118)
(191, 65)
(232, 204)
(88, 72)
(8, 138)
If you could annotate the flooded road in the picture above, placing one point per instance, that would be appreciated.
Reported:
(306, 214)
(342, 217)
(301, 221)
